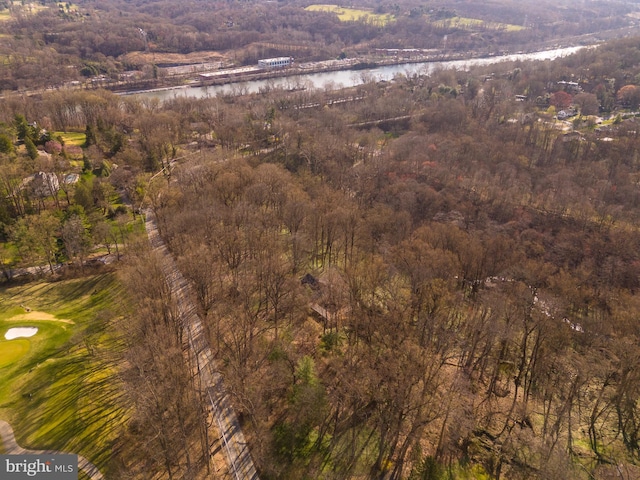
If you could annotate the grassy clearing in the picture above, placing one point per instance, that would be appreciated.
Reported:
(352, 15)
(30, 7)
(58, 389)
(72, 138)
(27, 7)
(475, 24)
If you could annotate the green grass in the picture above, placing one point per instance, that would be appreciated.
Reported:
(57, 388)
(12, 350)
(8, 254)
(352, 14)
(474, 23)
(72, 138)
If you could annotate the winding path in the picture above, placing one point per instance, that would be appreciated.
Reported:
(12, 448)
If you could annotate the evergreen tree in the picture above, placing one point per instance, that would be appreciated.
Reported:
(90, 136)
(6, 145)
(32, 151)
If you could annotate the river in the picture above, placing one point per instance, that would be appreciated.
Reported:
(344, 78)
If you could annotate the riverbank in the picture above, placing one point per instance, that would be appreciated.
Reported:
(333, 75)
(233, 78)
(369, 62)
(307, 68)
(238, 75)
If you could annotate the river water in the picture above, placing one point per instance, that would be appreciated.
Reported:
(345, 78)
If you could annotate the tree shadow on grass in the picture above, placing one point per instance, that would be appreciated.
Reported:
(72, 296)
(67, 395)
(71, 402)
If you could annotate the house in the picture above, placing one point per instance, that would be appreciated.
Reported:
(44, 184)
(573, 136)
(71, 179)
(570, 87)
(568, 113)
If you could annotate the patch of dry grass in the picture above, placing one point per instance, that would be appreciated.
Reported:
(352, 14)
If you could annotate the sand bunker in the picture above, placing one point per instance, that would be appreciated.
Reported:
(35, 316)
(18, 332)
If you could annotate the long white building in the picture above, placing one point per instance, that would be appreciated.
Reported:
(278, 62)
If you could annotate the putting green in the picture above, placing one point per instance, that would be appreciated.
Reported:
(13, 350)
(52, 332)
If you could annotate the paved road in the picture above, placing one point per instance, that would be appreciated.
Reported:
(241, 466)
(12, 448)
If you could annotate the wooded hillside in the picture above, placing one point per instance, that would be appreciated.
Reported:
(457, 287)
(434, 277)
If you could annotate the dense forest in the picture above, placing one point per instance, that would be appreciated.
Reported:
(476, 279)
(428, 278)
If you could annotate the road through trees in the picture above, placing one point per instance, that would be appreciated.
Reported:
(210, 381)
